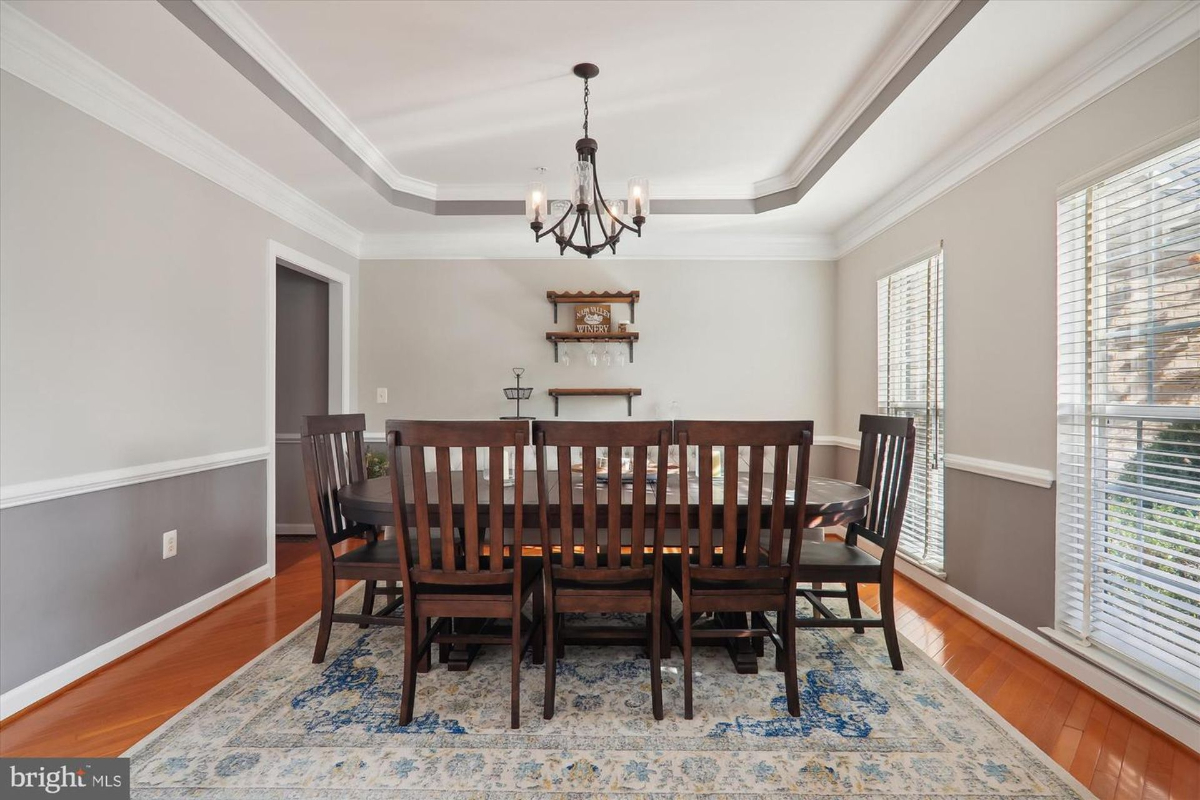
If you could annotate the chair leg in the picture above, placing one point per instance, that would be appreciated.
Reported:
(408, 688)
(887, 610)
(444, 648)
(326, 624)
(561, 645)
(855, 606)
(551, 656)
(665, 614)
(687, 658)
(423, 626)
(368, 602)
(788, 636)
(515, 696)
(538, 642)
(656, 661)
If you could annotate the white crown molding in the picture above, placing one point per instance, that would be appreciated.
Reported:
(844, 441)
(39, 57)
(699, 247)
(1034, 476)
(250, 36)
(660, 191)
(896, 53)
(1141, 39)
(20, 494)
(50, 682)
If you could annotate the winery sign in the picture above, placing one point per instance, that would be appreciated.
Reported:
(593, 319)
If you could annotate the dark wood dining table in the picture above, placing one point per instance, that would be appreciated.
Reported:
(829, 503)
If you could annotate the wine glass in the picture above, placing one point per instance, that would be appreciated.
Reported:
(592, 358)
(606, 357)
(564, 356)
(622, 356)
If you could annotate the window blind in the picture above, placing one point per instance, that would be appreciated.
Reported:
(911, 383)
(1128, 516)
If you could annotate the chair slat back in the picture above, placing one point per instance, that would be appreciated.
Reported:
(334, 455)
(885, 462)
(723, 554)
(446, 559)
(602, 549)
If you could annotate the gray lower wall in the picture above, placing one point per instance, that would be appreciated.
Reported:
(81, 571)
(291, 492)
(999, 541)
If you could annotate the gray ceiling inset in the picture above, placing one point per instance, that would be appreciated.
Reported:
(194, 18)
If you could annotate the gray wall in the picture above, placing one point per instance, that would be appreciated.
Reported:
(723, 338)
(301, 382)
(83, 570)
(133, 327)
(999, 230)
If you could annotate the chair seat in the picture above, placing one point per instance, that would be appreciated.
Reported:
(531, 570)
(835, 557)
(564, 586)
(673, 570)
(382, 553)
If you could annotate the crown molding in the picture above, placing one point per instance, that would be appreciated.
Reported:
(699, 247)
(42, 59)
(896, 53)
(1138, 41)
(250, 36)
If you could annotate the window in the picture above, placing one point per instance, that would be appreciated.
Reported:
(911, 383)
(1128, 572)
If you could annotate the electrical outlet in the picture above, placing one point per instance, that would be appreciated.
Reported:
(170, 544)
(381, 395)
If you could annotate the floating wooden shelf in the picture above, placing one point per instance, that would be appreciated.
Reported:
(565, 337)
(628, 393)
(629, 298)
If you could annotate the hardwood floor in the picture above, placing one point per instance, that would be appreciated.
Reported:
(1113, 754)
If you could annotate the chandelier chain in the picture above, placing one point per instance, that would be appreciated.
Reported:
(586, 92)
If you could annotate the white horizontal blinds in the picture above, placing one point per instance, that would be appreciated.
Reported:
(1129, 415)
(911, 383)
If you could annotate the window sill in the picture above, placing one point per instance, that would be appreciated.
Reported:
(1162, 691)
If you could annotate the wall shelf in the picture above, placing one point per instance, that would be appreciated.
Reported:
(566, 337)
(628, 393)
(628, 298)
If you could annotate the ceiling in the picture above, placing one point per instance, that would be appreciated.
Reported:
(463, 100)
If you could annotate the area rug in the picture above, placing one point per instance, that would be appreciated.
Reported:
(283, 727)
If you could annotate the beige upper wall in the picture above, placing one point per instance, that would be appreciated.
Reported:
(749, 339)
(1000, 261)
(133, 308)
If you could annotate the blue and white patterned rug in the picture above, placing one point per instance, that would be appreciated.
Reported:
(285, 728)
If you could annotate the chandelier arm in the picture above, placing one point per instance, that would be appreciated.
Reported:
(552, 228)
(570, 235)
(600, 197)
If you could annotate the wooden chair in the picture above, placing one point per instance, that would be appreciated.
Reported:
(334, 456)
(732, 574)
(596, 574)
(467, 580)
(885, 464)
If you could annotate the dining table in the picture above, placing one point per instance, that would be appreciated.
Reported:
(829, 503)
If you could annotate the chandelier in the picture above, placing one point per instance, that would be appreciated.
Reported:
(575, 217)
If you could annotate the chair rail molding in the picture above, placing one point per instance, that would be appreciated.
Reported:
(1144, 37)
(1034, 476)
(1018, 473)
(48, 683)
(44, 60)
(20, 494)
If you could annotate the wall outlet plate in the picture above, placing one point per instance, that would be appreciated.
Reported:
(170, 544)
(381, 395)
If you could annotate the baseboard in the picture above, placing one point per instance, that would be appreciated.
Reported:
(43, 686)
(295, 529)
(1150, 710)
